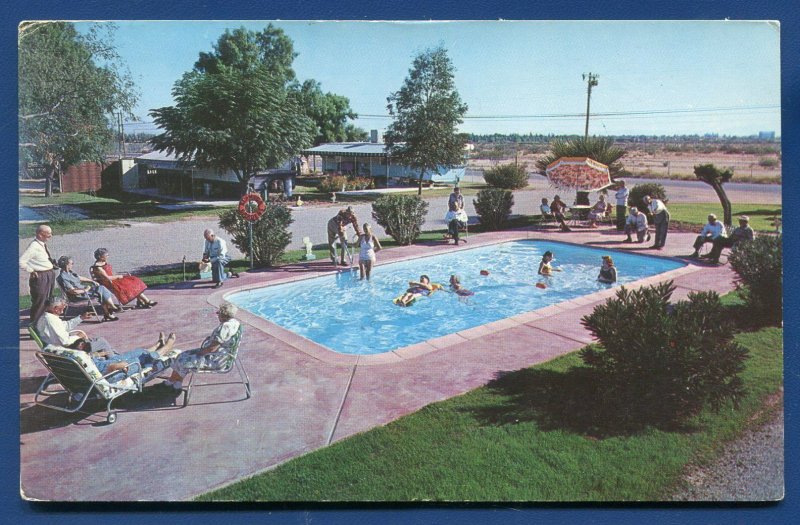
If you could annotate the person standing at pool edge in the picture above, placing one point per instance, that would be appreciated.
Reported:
(660, 220)
(621, 197)
(336, 230)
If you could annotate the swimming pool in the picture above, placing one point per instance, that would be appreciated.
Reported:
(358, 317)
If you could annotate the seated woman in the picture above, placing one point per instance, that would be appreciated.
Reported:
(417, 289)
(125, 287)
(545, 265)
(608, 272)
(598, 211)
(214, 350)
(456, 221)
(457, 288)
(73, 286)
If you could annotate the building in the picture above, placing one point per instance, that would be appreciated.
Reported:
(165, 175)
(371, 159)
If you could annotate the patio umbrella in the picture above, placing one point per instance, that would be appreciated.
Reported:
(578, 173)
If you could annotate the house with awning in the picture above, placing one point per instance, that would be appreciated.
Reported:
(371, 159)
(166, 175)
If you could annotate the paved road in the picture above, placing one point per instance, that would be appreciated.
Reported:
(143, 244)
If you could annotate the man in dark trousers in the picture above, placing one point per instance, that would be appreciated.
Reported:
(36, 260)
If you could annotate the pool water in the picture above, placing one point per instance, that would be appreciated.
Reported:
(358, 317)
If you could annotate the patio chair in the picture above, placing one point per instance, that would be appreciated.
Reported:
(75, 379)
(82, 301)
(230, 361)
(37, 338)
(608, 217)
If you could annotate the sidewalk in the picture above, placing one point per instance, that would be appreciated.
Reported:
(303, 398)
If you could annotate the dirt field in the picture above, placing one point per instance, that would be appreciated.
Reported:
(658, 162)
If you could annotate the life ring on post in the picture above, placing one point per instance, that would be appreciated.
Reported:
(252, 207)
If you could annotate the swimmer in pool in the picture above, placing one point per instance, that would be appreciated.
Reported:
(608, 272)
(545, 266)
(457, 288)
(416, 289)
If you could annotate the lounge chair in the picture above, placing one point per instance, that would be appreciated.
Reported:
(82, 301)
(231, 361)
(75, 379)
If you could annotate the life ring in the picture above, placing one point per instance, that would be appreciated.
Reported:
(252, 207)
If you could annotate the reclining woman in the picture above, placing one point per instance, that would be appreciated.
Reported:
(126, 287)
(417, 289)
(213, 352)
(74, 286)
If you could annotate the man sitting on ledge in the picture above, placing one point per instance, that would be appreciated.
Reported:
(743, 233)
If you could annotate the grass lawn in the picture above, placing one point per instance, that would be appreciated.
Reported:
(512, 441)
(761, 215)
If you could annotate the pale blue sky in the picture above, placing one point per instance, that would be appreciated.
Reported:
(514, 73)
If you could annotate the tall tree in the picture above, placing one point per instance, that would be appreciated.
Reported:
(601, 149)
(427, 110)
(239, 120)
(715, 178)
(330, 113)
(70, 87)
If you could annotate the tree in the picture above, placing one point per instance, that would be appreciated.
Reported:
(70, 87)
(330, 113)
(426, 111)
(234, 111)
(601, 149)
(715, 178)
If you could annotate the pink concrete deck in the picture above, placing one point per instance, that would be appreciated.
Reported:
(304, 396)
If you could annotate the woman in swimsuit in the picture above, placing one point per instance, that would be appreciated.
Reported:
(416, 289)
(608, 272)
(545, 265)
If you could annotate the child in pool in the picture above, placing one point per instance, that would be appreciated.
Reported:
(545, 266)
(608, 272)
(416, 289)
(457, 288)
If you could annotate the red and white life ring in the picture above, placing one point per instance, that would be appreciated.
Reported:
(251, 207)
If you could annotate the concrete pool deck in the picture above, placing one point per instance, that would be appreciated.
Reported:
(304, 396)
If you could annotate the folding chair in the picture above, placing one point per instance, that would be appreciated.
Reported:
(38, 338)
(229, 362)
(78, 301)
(608, 217)
(80, 380)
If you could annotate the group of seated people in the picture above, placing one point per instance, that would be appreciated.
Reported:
(212, 353)
(104, 285)
(714, 232)
(557, 211)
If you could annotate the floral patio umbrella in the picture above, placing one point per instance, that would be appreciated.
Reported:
(578, 173)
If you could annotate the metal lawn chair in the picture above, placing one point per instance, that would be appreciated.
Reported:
(82, 301)
(75, 379)
(230, 361)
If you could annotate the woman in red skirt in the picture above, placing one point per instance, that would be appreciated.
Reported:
(125, 287)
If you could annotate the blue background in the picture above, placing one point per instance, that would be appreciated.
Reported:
(13, 509)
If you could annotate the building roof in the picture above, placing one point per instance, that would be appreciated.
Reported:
(349, 149)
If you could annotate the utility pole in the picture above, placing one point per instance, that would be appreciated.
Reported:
(591, 80)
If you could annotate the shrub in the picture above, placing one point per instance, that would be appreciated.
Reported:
(402, 216)
(659, 363)
(333, 183)
(638, 192)
(360, 183)
(506, 176)
(493, 206)
(767, 162)
(759, 267)
(271, 233)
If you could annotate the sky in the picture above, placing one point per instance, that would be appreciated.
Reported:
(654, 77)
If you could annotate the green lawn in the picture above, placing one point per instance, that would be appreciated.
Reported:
(761, 215)
(506, 442)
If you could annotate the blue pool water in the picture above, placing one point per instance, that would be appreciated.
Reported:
(358, 317)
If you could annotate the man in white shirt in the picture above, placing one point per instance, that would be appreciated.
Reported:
(55, 331)
(215, 251)
(636, 222)
(36, 260)
(711, 230)
(621, 197)
(660, 220)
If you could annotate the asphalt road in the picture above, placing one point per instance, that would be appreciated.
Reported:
(143, 244)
